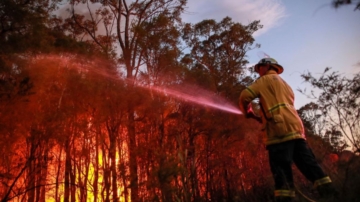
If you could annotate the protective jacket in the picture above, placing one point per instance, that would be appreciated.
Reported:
(282, 122)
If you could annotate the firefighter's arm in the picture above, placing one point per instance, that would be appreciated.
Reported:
(250, 114)
(246, 96)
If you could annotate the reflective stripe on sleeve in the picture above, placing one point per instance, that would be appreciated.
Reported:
(284, 192)
(279, 106)
(322, 181)
(251, 91)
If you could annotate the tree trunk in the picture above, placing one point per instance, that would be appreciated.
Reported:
(112, 157)
(192, 162)
(31, 182)
(38, 177)
(96, 169)
(31, 171)
(132, 154)
(112, 126)
(73, 178)
(122, 169)
(57, 198)
(43, 175)
(67, 171)
(81, 179)
(106, 176)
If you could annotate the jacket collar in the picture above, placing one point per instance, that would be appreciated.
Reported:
(271, 72)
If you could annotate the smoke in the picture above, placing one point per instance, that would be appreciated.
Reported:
(186, 92)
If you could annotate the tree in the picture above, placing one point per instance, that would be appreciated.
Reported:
(23, 25)
(121, 20)
(337, 105)
(216, 62)
(219, 48)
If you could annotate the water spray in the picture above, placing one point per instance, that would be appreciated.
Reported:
(196, 95)
(185, 92)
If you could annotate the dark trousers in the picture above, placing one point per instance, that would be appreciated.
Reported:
(281, 157)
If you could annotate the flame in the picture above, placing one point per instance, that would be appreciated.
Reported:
(50, 194)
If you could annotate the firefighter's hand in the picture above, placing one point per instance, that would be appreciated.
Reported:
(251, 114)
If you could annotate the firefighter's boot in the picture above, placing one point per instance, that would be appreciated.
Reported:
(327, 192)
(284, 199)
(284, 195)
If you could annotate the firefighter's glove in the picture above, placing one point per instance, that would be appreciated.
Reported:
(251, 114)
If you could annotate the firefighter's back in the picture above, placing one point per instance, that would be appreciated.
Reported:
(277, 99)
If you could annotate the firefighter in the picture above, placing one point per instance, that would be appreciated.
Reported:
(285, 139)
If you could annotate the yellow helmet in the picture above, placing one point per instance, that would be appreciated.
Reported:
(272, 62)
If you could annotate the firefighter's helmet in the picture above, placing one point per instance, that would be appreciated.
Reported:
(272, 62)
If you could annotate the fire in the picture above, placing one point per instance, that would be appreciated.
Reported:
(81, 188)
(71, 141)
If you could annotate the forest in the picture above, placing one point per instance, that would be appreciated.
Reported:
(80, 119)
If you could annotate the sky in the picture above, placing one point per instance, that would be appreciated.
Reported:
(303, 36)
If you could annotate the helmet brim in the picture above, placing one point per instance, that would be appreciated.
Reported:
(278, 68)
(256, 68)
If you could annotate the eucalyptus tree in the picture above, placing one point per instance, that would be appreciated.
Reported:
(336, 107)
(24, 24)
(220, 49)
(215, 61)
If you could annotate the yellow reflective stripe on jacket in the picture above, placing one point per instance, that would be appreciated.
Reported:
(322, 181)
(284, 192)
(279, 106)
(290, 136)
(251, 91)
(281, 120)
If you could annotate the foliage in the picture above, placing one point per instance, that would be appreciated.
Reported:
(332, 122)
(79, 120)
(24, 24)
(219, 49)
(337, 107)
(124, 25)
(340, 3)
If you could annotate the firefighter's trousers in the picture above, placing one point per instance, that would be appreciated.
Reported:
(281, 157)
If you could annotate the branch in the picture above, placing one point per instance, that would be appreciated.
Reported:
(86, 29)
(6, 197)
